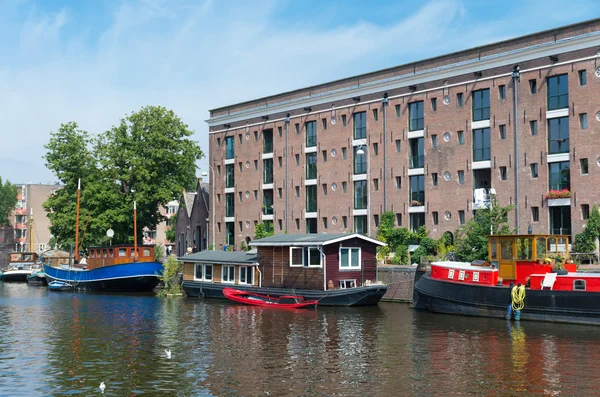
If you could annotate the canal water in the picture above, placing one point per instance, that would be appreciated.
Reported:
(65, 344)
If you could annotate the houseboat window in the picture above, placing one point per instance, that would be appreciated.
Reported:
(104, 254)
(296, 256)
(228, 274)
(246, 273)
(122, 252)
(208, 272)
(579, 285)
(347, 284)
(349, 258)
(562, 244)
(551, 248)
(146, 251)
(132, 253)
(540, 248)
(198, 272)
(524, 249)
(313, 256)
(493, 248)
(92, 253)
(506, 251)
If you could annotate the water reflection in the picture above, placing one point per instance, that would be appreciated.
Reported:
(59, 344)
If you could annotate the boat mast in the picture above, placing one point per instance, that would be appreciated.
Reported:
(31, 230)
(134, 230)
(77, 222)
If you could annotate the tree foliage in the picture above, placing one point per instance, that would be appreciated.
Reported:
(472, 240)
(148, 158)
(399, 239)
(585, 242)
(8, 200)
(262, 232)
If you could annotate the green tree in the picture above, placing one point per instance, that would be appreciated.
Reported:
(261, 231)
(585, 241)
(148, 158)
(171, 232)
(471, 239)
(8, 200)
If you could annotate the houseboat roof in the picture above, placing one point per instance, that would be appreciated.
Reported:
(225, 257)
(309, 239)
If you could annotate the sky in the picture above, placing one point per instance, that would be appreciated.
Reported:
(94, 62)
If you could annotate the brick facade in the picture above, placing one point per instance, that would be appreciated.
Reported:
(386, 95)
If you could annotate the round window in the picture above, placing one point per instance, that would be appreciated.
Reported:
(447, 137)
(334, 186)
(247, 224)
(247, 164)
(334, 220)
(333, 152)
(247, 194)
(598, 116)
(598, 72)
(447, 176)
(247, 136)
(446, 100)
(448, 215)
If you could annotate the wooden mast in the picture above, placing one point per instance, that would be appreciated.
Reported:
(77, 222)
(135, 254)
(31, 230)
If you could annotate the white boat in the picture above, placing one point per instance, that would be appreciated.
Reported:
(20, 265)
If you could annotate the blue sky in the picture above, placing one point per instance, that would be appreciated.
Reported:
(95, 61)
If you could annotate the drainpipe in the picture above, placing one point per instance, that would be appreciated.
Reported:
(516, 75)
(287, 123)
(384, 103)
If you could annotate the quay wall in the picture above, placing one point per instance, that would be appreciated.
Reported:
(400, 281)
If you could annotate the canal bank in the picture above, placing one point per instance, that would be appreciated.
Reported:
(400, 281)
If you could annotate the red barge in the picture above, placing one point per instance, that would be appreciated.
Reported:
(516, 280)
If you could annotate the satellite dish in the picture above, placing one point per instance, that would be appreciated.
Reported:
(110, 233)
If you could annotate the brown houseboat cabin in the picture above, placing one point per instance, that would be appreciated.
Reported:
(117, 255)
(299, 261)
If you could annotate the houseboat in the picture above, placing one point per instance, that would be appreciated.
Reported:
(118, 268)
(333, 269)
(520, 279)
(20, 265)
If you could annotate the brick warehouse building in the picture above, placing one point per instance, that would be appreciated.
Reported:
(430, 140)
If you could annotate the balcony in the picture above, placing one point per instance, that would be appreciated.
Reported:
(417, 199)
(267, 209)
(483, 154)
(557, 146)
(416, 161)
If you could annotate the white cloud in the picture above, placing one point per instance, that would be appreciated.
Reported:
(190, 57)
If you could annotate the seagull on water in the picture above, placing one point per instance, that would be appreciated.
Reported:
(168, 353)
(102, 387)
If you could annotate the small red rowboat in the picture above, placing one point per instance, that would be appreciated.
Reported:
(249, 298)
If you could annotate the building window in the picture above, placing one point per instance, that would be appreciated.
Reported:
(584, 166)
(558, 135)
(324, 222)
(434, 178)
(560, 219)
(376, 220)
(459, 99)
(417, 158)
(360, 125)
(434, 141)
(246, 275)
(375, 114)
(268, 141)
(582, 77)
(311, 226)
(229, 175)
(398, 182)
(534, 170)
(533, 86)
(502, 92)
(255, 165)
(533, 127)
(228, 274)
(324, 152)
(268, 202)
(311, 198)
(343, 120)
(219, 142)
(256, 135)
(585, 211)
(461, 177)
(397, 110)
(503, 131)
(345, 187)
(461, 217)
(297, 191)
(240, 165)
(434, 104)
(297, 159)
(268, 171)
(398, 145)
(324, 189)
(375, 149)
(417, 190)
(344, 153)
(360, 224)
(311, 166)
(345, 221)
(503, 173)
(583, 124)
(280, 160)
(481, 105)
(558, 92)
(280, 222)
(415, 116)
(535, 214)
(230, 204)
(435, 217)
(481, 144)
(311, 133)
(416, 221)
(297, 127)
(324, 121)
(360, 195)
(559, 175)
(399, 219)
(240, 196)
(230, 233)
(229, 148)
(280, 130)
(461, 138)
(360, 161)
(256, 195)
(280, 190)
(349, 258)
(297, 224)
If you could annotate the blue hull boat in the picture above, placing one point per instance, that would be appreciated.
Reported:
(59, 286)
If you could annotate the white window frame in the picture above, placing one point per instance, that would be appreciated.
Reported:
(350, 267)
(223, 268)
(291, 256)
(203, 273)
(249, 270)
(212, 273)
(307, 256)
(343, 283)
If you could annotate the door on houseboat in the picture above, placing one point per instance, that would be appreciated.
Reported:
(507, 266)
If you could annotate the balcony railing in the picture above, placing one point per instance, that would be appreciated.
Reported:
(483, 154)
(360, 132)
(415, 124)
(560, 186)
(311, 206)
(311, 140)
(557, 146)
(417, 199)
(558, 101)
(360, 167)
(267, 209)
(268, 147)
(417, 161)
